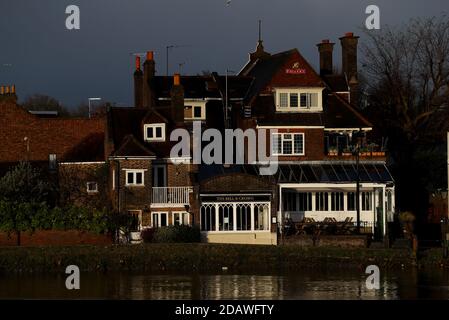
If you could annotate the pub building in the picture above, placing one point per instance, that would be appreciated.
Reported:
(326, 150)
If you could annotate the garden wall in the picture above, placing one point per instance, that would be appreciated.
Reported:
(55, 238)
(358, 241)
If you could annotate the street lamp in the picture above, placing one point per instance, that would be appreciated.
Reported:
(90, 100)
(356, 152)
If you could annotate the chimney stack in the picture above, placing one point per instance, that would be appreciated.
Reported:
(349, 64)
(138, 85)
(326, 52)
(8, 94)
(148, 81)
(177, 100)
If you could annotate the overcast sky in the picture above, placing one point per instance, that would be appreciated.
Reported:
(39, 55)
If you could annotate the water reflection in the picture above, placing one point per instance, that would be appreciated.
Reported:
(299, 285)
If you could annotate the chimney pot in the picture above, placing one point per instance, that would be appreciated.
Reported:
(349, 34)
(7, 90)
(13, 89)
(150, 55)
(325, 41)
(137, 63)
(2, 90)
(177, 79)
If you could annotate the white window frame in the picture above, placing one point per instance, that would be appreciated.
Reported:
(298, 91)
(96, 187)
(159, 214)
(182, 213)
(154, 126)
(134, 172)
(275, 153)
(52, 161)
(193, 105)
(233, 205)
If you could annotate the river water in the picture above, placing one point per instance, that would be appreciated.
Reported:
(410, 284)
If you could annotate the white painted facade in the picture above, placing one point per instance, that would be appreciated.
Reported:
(376, 202)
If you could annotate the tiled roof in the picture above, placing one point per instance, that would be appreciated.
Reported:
(199, 87)
(340, 114)
(130, 147)
(336, 82)
(284, 69)
(125, 122)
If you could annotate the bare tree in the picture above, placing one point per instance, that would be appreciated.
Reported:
(407, 72)
(41, 102)
(406, 77)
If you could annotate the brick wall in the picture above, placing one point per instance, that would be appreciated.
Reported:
(55, 238)
(134, 198)
(328, 241)
(234, 182)
(313, 145)
(73, 179)
(67, 138)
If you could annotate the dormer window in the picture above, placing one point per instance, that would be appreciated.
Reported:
(194, 110)
(154, 132)
(299, 100)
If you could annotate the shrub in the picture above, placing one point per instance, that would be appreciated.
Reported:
(177, 234)
(147, 235)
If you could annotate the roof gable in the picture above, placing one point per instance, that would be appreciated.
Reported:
(284, 69)
(130, 147)
(296, 72)
(152, 116)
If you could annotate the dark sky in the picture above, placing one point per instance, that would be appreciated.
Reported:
(95, 61)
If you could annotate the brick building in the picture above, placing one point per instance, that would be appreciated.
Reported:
(60, 146)
(321, 143)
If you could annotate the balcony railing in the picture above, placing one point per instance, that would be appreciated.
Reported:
(171, 195)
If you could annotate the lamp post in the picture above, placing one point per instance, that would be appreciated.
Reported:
(356, 152)
(226, 97)
(90, 100)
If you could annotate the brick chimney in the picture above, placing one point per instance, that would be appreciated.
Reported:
(326, 49)
(8, 94)
(177, 100)
(148, 81)
(349, 64)
(138, 85)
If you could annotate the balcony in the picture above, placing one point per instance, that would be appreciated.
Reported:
(170, 196)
